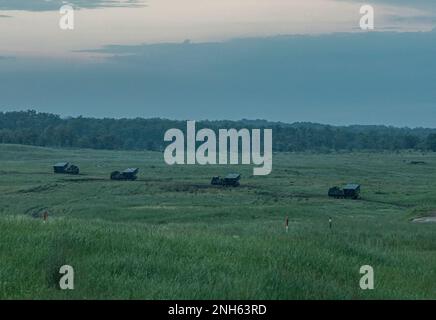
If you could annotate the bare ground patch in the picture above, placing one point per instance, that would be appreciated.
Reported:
(429, 218)
(39, 188)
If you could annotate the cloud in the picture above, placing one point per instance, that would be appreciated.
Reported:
(48, 5)
(418, 19)
(366, 78)
(421, 4)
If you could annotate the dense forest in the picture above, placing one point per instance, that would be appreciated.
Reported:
(44, 129)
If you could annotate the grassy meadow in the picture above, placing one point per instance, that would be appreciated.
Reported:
(171, 235)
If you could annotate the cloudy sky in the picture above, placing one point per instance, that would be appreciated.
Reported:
(287, 60)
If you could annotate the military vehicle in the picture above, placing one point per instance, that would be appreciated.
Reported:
(350, 191)
(128, 174)
(336, 192)
(216, 181)
(65, 168)
(231, 179)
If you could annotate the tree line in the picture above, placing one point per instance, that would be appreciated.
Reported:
(50, 130)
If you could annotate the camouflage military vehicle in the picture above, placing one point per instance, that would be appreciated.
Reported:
(128, 174)
(231, 179)
(216, 181)
(336, 192)
(350, 191)
(65, 168)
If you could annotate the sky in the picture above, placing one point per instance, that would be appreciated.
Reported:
(280, 60)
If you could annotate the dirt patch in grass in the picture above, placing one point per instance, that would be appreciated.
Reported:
(196, 187)
(183, 187)
(87, 179)
(418, 162)
(158, 207)
(39, 188)
(426, 218)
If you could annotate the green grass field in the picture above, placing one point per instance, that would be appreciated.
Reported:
(171, 235)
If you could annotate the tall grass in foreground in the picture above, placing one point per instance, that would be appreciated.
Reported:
(172, 236)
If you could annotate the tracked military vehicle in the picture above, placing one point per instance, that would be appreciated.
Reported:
(65, 168)
(229, 180)
(350, 191)
(128, 174)
(336, 192)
